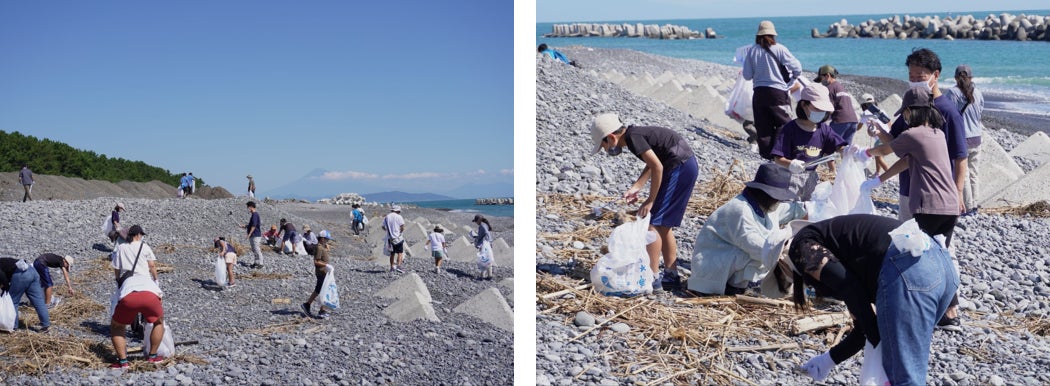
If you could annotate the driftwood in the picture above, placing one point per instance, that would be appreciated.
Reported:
(818, 322)
(776, 347)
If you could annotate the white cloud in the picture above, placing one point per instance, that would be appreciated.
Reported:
(507, 172)
(347, 175)
(412, 176)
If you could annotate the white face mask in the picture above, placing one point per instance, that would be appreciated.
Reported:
(924, 84)
(816, 116)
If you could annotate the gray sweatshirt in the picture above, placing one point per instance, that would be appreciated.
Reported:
(762, 68)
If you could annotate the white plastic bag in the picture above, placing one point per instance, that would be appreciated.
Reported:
(107, 225)
(220, 271)
(738, 105)
(624, 271)
(167, 343)
(364, 219)
(871, 372)
(844, 196)
(485, 256)
(301, 250)
(329, 290)
(8, 321)
(910, 238)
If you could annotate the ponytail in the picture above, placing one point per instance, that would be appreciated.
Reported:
(965, 83)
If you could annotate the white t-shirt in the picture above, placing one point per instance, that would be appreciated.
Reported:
(140, 283)
(125, 254)
(437, 241)
(393, 223)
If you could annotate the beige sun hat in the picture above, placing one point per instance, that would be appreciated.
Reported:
(69, 260)
(766, 28)
(603, 124)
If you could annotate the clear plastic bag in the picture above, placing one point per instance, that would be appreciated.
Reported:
(872, 372)
(844, 196)
(8, 321)
(910, 238)
(220, 271)
(624, 271)
(485, 256)
(167, 343)
(738, 105)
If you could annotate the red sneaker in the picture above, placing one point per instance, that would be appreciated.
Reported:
(155, 359)
(120, 365)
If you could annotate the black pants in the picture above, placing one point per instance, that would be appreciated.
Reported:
(772, 110)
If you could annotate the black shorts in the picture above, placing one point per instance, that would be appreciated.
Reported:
(397, 248)
(320, 281)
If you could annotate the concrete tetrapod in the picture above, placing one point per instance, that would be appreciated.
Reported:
(411, 307)
(404, 287)
(490, 307)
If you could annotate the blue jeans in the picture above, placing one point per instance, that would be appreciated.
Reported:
(845, 130)
(913, 293)
(28, 282)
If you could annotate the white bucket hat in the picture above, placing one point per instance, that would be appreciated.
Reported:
(603, 124)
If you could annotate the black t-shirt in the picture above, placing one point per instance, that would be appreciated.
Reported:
(7, 269)
(859, 241)
(52, 260)
(670, 147)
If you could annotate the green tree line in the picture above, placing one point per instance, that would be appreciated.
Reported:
(45, 156)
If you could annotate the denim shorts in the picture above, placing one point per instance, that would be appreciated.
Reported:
(673, 196)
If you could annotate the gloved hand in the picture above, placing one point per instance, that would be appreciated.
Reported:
(870, 184)
(819, 366)
(861, 156)
(797, 166)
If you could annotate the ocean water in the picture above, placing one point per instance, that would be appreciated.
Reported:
(467, 206)
(1013, 74)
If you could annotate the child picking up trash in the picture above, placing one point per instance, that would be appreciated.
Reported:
(320, 271)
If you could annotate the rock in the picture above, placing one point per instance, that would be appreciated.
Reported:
(583, 319)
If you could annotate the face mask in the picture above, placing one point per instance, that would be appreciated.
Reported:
(924, 84)
(614, 151)
(816, 116)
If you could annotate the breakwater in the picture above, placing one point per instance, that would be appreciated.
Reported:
(638, 30)
(1002, 27)
(494, 201)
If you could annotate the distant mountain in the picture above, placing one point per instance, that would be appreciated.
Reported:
(404, 197)
(490, 190)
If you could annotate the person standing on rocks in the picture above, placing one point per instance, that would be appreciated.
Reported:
(321, 260)
(17, 278)
(670, 169)
(970, 103)
(42, 264)
(254, 234)
(251, 187)
(773, 69)
(844, 118)
(438, 246)
(309, 240)
(115, 231)
(229, 256)
(483, 242)
(806, 139)
(922, 150)
(359, 217)
(184, 185)
(729, 255)
(193, 184)
(394, 224)
(25, 177)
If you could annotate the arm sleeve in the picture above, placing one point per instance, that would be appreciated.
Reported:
(748, 72)
(848, 347)
(849, 288)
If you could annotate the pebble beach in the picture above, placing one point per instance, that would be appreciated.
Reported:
(1004, 260)
(255, 333)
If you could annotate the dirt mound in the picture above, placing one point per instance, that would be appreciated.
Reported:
(67, 188)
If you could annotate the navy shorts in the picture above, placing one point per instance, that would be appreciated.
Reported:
(673, 196)
(45, 273)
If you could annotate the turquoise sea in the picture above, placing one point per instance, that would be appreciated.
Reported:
(1014, 76)
(467, 206)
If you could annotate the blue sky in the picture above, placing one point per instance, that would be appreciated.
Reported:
(413, 96)
(602, 10)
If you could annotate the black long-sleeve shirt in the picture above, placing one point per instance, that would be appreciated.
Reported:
(860, 243)
(7, 269)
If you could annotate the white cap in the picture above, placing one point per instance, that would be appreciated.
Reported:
(603, 125)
